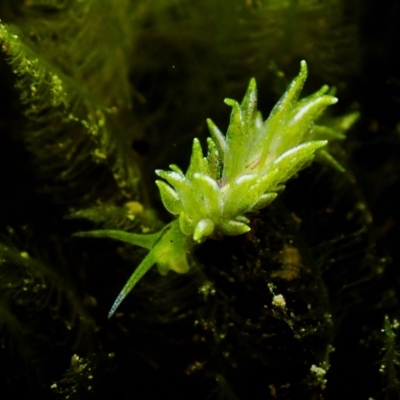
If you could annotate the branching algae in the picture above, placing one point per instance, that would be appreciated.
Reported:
(243, 171)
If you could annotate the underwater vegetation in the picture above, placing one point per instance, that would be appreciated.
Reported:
(274, 230)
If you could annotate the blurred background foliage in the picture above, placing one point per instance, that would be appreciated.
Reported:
(97, 94)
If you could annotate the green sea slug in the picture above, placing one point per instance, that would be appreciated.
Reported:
(243, 171)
